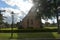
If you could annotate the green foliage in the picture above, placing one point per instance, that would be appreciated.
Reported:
(47, 9)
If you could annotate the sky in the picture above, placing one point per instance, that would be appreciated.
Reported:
(19, 7)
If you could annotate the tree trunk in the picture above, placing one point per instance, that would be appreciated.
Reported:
(41, 25)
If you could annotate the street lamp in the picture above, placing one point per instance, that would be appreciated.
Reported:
(12, 24)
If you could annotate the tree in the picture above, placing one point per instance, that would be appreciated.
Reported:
(40, 7)
(1, 16)
(19, 25)
(47, 9)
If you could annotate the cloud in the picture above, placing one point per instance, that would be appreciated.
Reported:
(9, 2)
(7, 15)
(23, 8)
(8, 9)
(43, 21)
(21, 4)
(16, 12)
(50, 21)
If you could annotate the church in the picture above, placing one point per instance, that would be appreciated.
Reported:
(30, 20)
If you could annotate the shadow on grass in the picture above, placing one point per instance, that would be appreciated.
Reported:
(35, 35)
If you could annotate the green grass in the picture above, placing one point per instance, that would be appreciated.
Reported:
(8, 28)
(36, 35)
(40, 35)
(56, 35)
(31, 35)
(50, 27)
(8, 35)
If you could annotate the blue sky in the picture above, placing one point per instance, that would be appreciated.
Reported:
(3, 4)
(19, 7)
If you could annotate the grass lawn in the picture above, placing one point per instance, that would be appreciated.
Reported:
(50, 27)
(56, 35)
(36, 35)
(7, 35)
(8, 28)
(31, 35)
(39, 35)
